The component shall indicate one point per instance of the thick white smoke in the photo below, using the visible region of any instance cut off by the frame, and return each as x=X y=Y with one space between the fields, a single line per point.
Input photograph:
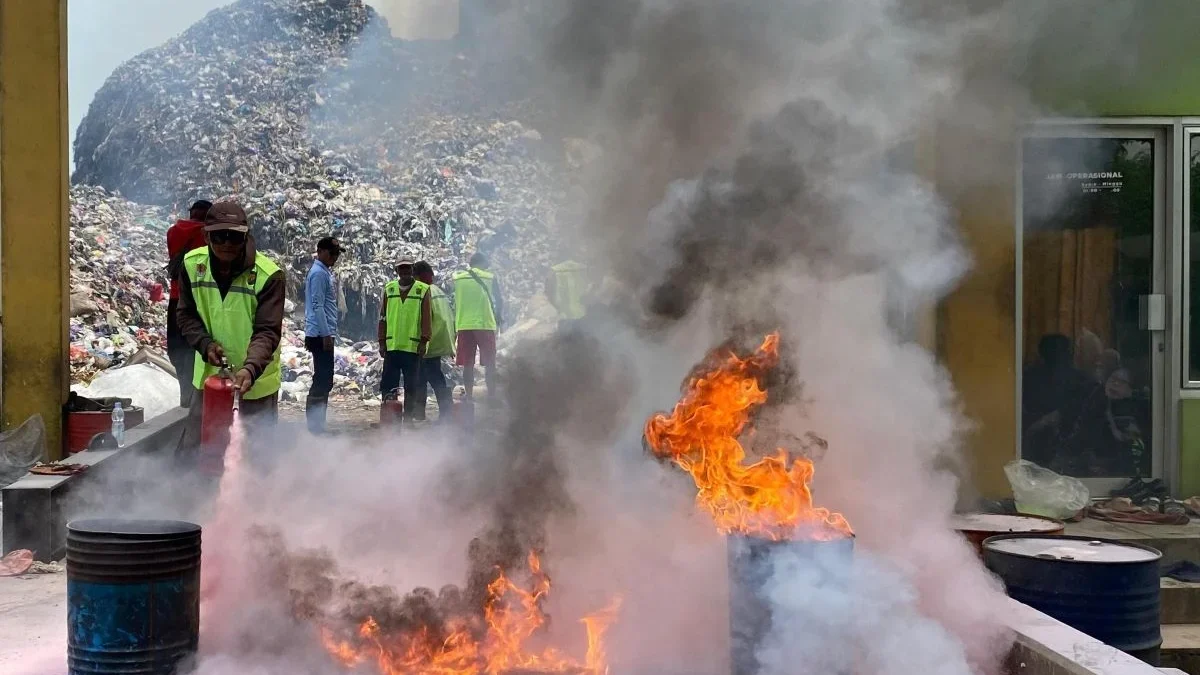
x=755 y=173
x=753 y=178
x=859 y=618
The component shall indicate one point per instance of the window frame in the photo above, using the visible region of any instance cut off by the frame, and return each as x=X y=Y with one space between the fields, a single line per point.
x=1167 y=281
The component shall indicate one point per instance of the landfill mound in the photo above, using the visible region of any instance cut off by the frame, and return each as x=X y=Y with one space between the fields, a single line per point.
x=319 y=122
x=221 y=107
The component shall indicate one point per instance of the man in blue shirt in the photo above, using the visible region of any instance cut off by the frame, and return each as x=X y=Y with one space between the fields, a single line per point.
x=320 y=327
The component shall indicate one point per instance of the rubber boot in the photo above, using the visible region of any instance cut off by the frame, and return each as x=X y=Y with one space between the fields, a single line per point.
x=314 y=413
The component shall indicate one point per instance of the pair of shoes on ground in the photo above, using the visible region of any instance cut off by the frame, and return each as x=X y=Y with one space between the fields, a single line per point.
x=1139 y=490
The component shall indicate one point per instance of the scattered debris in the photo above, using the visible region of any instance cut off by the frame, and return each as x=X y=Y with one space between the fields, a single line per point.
x=57 y=567
x=55 y=469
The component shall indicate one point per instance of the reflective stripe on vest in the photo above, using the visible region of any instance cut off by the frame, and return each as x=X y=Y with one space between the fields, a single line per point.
x=441 y=343
x=569 y=284
x=230 y=320
x=404 y=316
x=472 y=305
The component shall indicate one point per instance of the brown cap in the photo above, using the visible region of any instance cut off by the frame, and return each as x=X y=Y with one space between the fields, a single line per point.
x=226 y=216
x=405 y=260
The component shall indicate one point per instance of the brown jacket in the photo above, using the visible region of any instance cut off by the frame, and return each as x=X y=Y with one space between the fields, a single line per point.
x=268 y=318
x=426 y=318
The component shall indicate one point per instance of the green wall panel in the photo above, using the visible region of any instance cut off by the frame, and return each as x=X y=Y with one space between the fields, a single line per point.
x=1189 y=445
x=1117 y=58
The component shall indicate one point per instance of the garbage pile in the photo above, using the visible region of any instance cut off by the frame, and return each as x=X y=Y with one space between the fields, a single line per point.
x=319 y=122
x=443 y=204
x=115 y=273
x=357 y=368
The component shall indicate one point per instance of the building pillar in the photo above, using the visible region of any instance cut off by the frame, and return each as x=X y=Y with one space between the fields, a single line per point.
x=34 y=282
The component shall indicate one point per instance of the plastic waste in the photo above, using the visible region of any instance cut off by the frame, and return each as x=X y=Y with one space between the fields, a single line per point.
x=147 y=385
x=21 y=448
x=1039 y=491
x=118 y=424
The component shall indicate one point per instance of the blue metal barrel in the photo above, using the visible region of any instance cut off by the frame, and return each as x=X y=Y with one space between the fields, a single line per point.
x=133 y=596
x=751 y=565
x=1106 y=589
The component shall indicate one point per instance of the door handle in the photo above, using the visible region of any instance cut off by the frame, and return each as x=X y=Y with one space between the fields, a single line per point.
x=1152 y=312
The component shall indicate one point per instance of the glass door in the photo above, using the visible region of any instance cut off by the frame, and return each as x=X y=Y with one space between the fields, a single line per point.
x=1092 y=315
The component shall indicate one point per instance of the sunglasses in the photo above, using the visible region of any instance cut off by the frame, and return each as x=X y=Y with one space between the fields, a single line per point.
x=227 y=237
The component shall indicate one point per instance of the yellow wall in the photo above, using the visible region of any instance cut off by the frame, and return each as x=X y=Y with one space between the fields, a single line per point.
x=33 y=213
x=976 y=331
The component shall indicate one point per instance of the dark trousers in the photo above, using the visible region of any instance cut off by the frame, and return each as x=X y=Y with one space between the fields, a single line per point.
x=182 y=357
x=431 y=374
x=322 y=382
x=397 y=365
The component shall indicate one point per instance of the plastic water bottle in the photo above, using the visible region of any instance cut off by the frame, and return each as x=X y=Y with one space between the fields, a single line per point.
x=118 y=424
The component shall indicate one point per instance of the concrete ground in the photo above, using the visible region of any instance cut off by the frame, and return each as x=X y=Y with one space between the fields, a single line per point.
x=33 y=624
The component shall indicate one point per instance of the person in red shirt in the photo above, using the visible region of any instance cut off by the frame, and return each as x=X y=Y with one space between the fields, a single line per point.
x=183 y=236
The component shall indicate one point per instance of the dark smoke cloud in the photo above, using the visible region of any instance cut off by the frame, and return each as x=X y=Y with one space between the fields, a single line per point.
x=559 y=392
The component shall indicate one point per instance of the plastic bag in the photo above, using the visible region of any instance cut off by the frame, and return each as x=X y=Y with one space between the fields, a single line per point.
x=1038 y=491
x=21 y=448
x=146 y=385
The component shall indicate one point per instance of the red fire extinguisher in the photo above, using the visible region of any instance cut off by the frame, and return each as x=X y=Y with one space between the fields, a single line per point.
x=464 y=413
x=215 y=420
x=391 y=413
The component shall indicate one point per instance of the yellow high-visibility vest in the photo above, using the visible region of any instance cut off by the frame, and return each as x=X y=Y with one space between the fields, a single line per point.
x=403 y=318
x=569 y=284
x=472 y=304
x=441 y=343
x=230 y=320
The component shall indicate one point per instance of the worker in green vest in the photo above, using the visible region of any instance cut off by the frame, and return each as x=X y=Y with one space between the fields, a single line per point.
x=230 y=311
x=569 y=289
x=478 y=316
x=441 y=344
x=405 y=328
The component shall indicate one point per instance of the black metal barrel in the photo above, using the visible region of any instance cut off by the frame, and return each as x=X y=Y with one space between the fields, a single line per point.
x=133 y=596
x=1106 y=589
x=751 y=564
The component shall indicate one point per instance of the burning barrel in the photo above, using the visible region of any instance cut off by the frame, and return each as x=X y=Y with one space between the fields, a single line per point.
x=133 y=595
x=1106 y=589
x=751 y=565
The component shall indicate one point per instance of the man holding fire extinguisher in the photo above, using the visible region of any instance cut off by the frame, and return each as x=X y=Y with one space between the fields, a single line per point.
x=231 y=313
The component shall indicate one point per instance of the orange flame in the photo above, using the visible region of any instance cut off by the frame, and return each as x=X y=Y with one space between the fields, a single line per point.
x=512 y=616
x=769 y=498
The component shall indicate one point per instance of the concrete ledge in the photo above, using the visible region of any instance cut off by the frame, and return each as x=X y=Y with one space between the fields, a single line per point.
x=33 y=507
x=1177 y=542
x=1045 y=646
x=1180 y=601
x=1181 y=647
